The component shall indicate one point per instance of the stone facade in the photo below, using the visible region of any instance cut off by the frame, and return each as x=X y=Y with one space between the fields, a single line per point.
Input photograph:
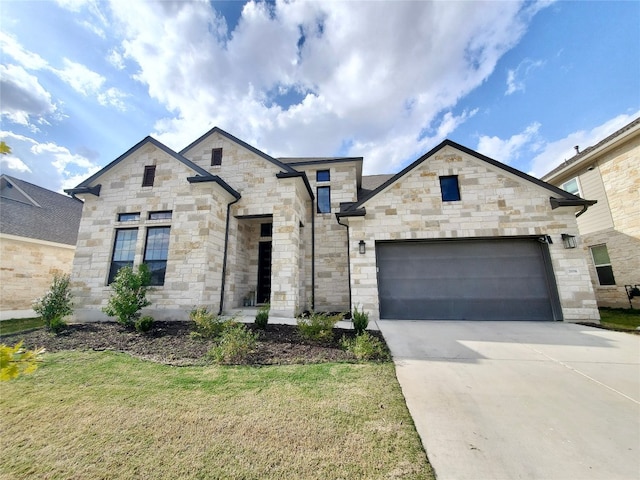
x=609 y=172
x=28 y=267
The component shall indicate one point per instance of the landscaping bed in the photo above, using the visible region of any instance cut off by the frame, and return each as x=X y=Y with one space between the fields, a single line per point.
x=171 y=343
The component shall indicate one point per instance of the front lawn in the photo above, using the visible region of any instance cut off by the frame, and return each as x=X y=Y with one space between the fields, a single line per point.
x=14 y=325
x=620 y=318
x=109 y=415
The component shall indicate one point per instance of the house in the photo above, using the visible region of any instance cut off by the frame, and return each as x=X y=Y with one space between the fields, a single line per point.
x=38 y=231
x=609 y=172
x=222 y=224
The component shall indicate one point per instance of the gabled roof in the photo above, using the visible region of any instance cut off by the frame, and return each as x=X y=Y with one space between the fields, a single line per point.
x=81 y=188
x=561 y=194
x=589 y=152
x=219 y=131
x=38 y=213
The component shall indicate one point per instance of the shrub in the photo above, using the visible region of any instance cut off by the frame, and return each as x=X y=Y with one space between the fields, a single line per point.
x=365 y=347
x=144 y=324
x=318 y=326
x=360 y=320
x=207 y=324
x=234 y=344
x=15 y=361
x=129 y=295
x=262 y=317
x=56 y=303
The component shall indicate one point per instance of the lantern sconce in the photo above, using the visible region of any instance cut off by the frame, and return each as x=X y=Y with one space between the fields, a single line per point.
x=362 y=247
x=569 y=241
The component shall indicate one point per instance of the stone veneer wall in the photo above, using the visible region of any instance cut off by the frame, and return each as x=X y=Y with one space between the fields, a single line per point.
x=28 y=267
x=494 y=203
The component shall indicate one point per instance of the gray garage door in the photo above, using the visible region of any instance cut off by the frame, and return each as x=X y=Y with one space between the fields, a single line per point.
x=465 y=280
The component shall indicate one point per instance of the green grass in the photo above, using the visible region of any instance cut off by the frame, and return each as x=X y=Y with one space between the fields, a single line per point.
x=108 y=415
x=19 y=324
x=622 y=318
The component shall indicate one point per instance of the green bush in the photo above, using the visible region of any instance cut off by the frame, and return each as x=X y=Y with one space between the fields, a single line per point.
x=360 y=320
x=56 y=303
x=207 y=324
x=262 y=317
x=234 y=344
x=129 y=295
x=318 y=326
x=365 y=347
x=144 y=324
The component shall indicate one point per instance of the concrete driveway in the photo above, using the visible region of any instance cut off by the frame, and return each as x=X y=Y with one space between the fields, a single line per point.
x=521 y=400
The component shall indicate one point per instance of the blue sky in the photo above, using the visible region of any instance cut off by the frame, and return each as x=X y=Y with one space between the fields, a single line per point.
x=522 y=82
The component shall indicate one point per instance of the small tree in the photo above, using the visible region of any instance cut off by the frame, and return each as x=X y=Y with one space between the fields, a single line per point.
x=129 y=295
x=56 y=303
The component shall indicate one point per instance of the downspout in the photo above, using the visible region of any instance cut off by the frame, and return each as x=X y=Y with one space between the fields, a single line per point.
x=348 y=264
x=313 y=255
x=224 y=255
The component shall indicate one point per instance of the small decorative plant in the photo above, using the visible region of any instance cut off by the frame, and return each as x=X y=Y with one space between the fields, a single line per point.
x=207 y=324
x=144 y=324
x=360 y=320
x=56 y=303
x=365 y=347
x=234 y=344
x=262 y=317
x=318 y=327
x=129 y=295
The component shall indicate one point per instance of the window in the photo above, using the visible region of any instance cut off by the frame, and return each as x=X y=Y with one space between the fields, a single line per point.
x=324 y=200
x=449 y=188
x=124 y=249
x=216 y=156
x=129 y=217
x=572 y=186
x=149 y=176
x=162 y=215
x=156 y=252
x=266 y=229
x=323 y=176
x=603 y=265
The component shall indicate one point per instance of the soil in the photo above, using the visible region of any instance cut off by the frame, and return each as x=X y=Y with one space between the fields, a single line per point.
x=171 y=343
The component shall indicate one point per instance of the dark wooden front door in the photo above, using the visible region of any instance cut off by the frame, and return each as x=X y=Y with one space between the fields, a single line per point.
x=264 y=272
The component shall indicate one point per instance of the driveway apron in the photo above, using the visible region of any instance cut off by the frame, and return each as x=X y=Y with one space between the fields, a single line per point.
x=512 y=400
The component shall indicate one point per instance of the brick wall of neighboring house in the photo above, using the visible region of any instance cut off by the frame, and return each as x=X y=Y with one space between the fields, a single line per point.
x=27 y=270
x=494 y=203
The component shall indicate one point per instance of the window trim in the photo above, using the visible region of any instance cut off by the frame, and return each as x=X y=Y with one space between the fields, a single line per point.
x=112 y=274
x=318 y=190
x=149 y=176
x=319 y=172
x=597 y=266
x=148 y=262
x=216 y=157
x=160 y=212
x=577 y=180
x=457 y=185
x=135 y=217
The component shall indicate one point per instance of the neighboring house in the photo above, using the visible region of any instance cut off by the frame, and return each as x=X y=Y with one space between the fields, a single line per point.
x=221 y=224
x=38 y=231
x=609 y=172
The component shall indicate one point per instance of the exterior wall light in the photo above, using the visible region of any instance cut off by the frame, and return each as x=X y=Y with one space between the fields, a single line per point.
x=362 y=247
x=569 y=241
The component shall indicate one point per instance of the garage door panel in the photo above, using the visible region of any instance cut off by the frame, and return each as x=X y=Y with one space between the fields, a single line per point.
x=481 y=279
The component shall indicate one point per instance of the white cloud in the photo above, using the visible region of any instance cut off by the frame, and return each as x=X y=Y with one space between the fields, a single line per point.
x=23 y=100
x=506 y=151
x=11 y=162
x=115 y=59
x=375 y=84
x=515 y=77
x=29 y=60
x=80 y=78
x=560 y=150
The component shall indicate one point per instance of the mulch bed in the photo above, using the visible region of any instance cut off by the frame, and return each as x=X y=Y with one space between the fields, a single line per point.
x=170 y=343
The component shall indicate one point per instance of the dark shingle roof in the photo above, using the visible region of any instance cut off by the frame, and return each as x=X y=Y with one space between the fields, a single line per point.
x=39 y=213
x=370 y=183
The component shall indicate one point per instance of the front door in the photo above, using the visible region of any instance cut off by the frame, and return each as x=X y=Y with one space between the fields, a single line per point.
x=264 y=272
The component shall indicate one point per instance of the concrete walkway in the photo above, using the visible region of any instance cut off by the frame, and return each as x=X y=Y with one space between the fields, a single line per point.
x=521 y=400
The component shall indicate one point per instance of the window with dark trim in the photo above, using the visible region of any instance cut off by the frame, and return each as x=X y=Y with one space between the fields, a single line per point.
x=324 y=199
x=602 y=262
x=323 y=176
x=266 y=229
x=129 y=217
x=149 y=176
x=216 y=156
x=449 y=188
x=161 y=215
x=124 y=250
x=156 y=252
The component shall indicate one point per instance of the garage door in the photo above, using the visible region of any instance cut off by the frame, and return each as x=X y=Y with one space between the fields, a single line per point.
x=465 y=280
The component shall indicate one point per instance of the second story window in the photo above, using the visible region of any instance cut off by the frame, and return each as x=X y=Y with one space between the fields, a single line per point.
x=324 y=199
x=216 y=156
x=323 y=176
x=129 y=217
x=149 y=176
x=572 y=186
x=161 y=215
x=449 y=188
